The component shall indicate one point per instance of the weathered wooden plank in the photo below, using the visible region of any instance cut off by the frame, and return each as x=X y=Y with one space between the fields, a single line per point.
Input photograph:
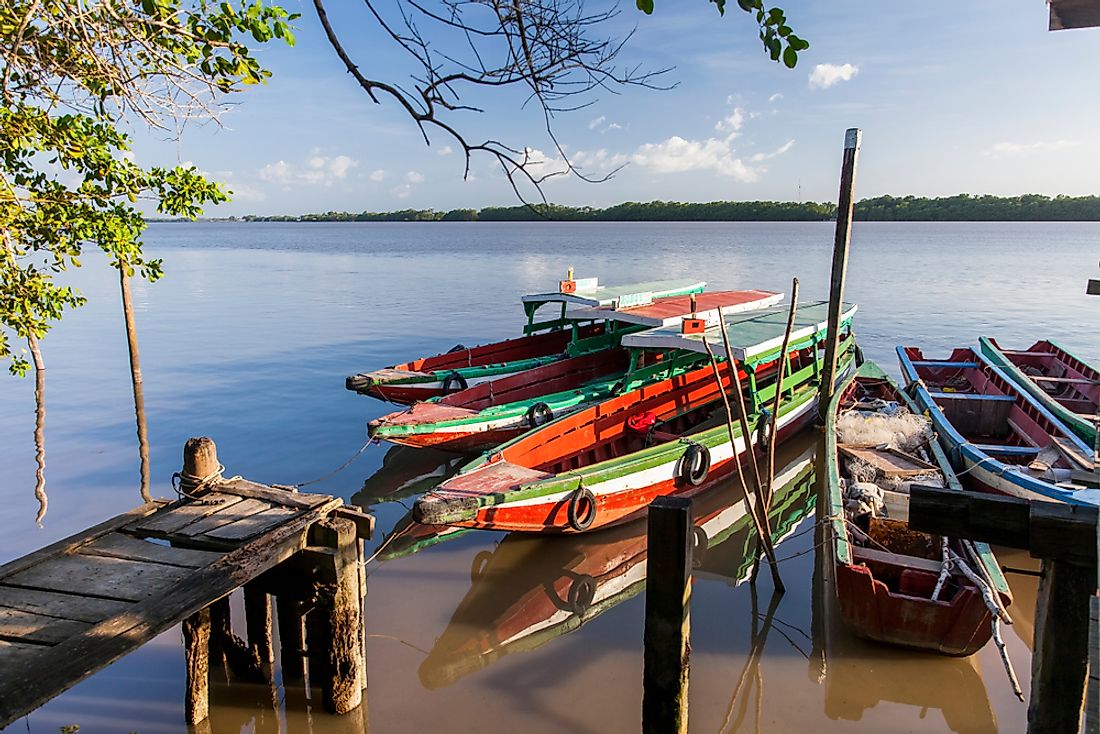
x=285 y=497
x=61 y=606
x=112 y=578
x=69 y=662
x=76 y=540
x=253 y=524
x=230 y=514
x=117 y=545
x=181 y=514
x=17 y=625
x=17 y=654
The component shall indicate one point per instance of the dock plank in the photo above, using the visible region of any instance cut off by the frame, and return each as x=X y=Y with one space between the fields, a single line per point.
x=17 y=653
x=117 y=545
x=226 y=516
x=60 y=667
x=61 y=606
x=245 y=488
x=249 y=526
x=100 y=576
x=176 y=516
x=17 y=625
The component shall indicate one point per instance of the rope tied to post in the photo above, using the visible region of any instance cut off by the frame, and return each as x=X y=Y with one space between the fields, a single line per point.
x=186 y=484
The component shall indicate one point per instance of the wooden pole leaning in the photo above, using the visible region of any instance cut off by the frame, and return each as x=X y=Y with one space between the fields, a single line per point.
x=774 y=420
x=852 y=139
x=755 y=503
x=667 y=617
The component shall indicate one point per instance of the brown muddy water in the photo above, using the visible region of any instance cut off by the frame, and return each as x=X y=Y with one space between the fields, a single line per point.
x=248 y=340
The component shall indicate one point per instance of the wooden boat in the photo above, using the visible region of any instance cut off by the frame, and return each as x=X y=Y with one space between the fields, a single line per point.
x=529 y=591
x=543 y=342
x=485 y=415
x=599 y=465
x=887 y=575
x=996 y=435
x=1064 y=384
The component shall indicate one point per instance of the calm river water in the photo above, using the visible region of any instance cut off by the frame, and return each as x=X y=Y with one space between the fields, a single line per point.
x=248 y=339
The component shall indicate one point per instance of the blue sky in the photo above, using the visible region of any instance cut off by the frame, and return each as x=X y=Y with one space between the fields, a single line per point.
x=952 y=97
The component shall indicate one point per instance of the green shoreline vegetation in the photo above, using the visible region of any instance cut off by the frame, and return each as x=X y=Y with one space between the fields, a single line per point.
x=960 y=208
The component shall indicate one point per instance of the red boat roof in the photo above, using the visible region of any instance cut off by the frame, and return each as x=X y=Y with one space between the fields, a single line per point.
x=669 y=311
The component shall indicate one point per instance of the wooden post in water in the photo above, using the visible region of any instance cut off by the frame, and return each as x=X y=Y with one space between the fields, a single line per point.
x=196 y=652
x=200 y=462
x=1060 y=659
x=257 y=615
x=845 y=205
x=292 y=639
x=667 y=617
x=341 y=606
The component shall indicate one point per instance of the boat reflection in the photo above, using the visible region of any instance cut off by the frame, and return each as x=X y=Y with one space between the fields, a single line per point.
x=407 y=472
x=530 y=590
x=860 y=674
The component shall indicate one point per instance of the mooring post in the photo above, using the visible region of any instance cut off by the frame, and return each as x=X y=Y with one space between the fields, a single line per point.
x=200 y=463
x=341 y=607
x=845 y=205
x=667 y=617
x=1059 y=662
x=196 y=652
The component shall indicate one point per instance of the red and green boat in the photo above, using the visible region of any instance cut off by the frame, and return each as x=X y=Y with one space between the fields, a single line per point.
x=490 y=413
x=543 y=342
x=1064 y=384
x=599 y=465
x=891 y=582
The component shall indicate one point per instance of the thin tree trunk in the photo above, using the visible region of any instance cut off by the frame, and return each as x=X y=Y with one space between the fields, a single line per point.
x=135 y=378
x=39 y=427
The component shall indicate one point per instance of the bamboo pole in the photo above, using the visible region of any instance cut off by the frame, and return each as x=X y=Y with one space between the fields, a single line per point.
x=843 y=239
x=135 y=378
x=742 y=414
x=773 y=427
x=763 y=531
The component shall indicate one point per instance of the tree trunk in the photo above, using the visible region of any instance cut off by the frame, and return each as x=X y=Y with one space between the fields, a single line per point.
x=39 y=427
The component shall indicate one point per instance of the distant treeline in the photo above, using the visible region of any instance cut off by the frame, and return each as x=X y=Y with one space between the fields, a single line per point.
x=960 y=208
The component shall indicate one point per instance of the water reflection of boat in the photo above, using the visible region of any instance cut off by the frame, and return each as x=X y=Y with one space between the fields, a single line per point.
x=407 y=472
x=530 y=590
x=409 y=536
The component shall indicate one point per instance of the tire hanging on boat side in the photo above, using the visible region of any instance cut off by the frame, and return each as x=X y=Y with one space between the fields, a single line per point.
x=454 y=382
x=580 y=520
x=538 y=414
x=694 y=464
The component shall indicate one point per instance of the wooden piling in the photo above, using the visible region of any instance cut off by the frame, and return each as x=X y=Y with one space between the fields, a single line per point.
x=292 y=640
x=845 y=205
x=667 y=617
x=257 y=615
x=200 y=462
x=342 y=615
x=196 y=651
x=1059 y=662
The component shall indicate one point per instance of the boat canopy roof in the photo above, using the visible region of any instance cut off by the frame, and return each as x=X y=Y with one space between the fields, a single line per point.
x=670 y=310
x=589 y=292
x=752 y=334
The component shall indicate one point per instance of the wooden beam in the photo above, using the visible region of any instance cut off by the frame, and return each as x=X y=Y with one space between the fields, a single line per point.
x=1051 y=530
x=1059 y=663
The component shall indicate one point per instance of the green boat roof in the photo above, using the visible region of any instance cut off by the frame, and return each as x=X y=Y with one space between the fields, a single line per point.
x=751 y=333
x=590 y=293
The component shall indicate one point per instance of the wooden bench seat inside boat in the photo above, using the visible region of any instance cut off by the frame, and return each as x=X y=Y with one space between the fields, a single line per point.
x=976 y=415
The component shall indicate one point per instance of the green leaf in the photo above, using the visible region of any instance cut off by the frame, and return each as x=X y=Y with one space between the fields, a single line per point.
x=790 y=57
x=646 y=6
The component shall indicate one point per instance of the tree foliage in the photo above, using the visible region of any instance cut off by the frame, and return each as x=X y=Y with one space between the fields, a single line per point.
x=72 y=75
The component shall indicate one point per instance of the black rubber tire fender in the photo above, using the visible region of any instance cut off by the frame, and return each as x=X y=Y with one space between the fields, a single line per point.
x=539 y=414
x=581 y=593
x=454 y=382
x=580 y=520
x=457 y=348
x=694 y=464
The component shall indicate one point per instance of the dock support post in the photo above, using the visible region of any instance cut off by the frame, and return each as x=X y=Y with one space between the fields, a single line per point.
x=342 y=673
x=1059 y=664
x=196 y=651
x=291 y=637
x=257 y=614
x=845 y=207
x=667 y=617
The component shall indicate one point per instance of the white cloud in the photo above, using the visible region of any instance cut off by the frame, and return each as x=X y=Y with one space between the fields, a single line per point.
x=597 y=122
x=732 y=122
x=244 y=192
x=377 y=175
x=778 y=151
x=317 y=170
x=677 y=155
x=775 y=98
x=414 y=177
x=826 y=75
x=614 y=126
x=541 y=165
x=402 y=191
x=446 y=150
x=599 y=161
x=1040 y=146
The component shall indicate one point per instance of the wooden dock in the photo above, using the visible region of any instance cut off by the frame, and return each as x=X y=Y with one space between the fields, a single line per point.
x=72 y=608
